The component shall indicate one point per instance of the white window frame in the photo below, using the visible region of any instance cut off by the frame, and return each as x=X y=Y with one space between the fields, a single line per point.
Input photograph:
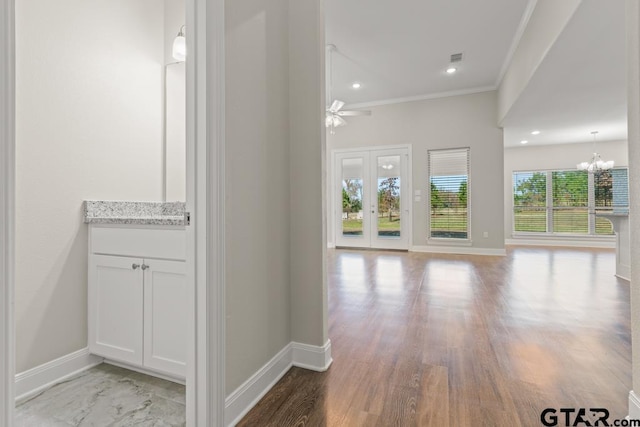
x=549 y=208
x=449 y=240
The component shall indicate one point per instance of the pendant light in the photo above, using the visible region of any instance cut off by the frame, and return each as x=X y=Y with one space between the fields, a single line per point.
x=179 y=50
x=596 y=164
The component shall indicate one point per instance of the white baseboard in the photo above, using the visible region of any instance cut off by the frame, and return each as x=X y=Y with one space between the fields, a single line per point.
x=634 y=406
x=245 y=397
x=33 y=381
x=458 y=250
x=624 y=272
x=312 y=357
x=573 y=243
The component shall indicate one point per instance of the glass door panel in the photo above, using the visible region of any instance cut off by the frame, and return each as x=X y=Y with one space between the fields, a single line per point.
x=352 y=188
x=352 y=183
x=389 y=204
x=389 y=181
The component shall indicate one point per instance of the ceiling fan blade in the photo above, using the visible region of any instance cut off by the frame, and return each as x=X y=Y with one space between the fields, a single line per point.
x=336 y=106
x=354 y=113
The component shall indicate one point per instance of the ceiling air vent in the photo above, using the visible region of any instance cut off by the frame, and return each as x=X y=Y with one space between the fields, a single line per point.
x=456 y=57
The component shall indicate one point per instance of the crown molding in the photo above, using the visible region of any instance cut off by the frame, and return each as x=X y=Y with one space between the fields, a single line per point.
x=424 y=97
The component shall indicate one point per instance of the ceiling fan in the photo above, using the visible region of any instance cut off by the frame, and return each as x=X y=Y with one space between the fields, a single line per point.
x=335 y=113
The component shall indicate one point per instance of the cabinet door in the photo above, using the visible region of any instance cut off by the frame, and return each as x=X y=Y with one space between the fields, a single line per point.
x=165 y=317
x=115 y=308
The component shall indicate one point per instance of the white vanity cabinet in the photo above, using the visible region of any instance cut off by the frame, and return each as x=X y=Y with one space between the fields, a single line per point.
x=138 y=297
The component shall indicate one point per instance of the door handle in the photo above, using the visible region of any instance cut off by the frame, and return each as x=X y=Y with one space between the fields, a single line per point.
x=145 y=266
x=135 y=266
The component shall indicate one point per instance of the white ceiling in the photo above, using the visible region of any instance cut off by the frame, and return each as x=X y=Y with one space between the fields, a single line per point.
x=400 y=49
x=581 y=84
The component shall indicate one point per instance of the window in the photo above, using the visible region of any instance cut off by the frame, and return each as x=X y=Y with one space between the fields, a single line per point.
x=566 y=202
x=449 y=187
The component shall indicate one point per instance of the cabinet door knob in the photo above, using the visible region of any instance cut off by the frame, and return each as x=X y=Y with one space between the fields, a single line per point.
x=135 y=266
x=145 y=266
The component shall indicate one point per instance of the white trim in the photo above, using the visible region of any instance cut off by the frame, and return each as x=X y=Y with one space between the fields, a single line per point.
x=566 y=242
x=515 y=42
x=205 y=200
x=447 y=241
x=331 y=245
x=371 y=148
x=624 y=276
x=634 y=406
x=423 y=97
x=7 y=207
x=245 y=397
x=40 y=378
x=312 y=357
x=458 y=250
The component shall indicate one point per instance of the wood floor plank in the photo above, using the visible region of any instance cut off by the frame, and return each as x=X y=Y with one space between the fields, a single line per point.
x=452 y=340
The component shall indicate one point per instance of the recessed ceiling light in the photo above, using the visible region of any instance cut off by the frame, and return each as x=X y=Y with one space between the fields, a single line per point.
x=451 y=70
x=535 y=132
x=356 y=85
x=524 y=142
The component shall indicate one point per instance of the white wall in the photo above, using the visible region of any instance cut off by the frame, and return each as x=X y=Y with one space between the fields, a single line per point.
x=88 y=126
x=552 y=157
x=460 y=121
x=257 y=203
x=176 y=132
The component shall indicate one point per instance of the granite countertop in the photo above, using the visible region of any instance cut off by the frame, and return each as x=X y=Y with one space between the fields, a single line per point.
x=140 y=213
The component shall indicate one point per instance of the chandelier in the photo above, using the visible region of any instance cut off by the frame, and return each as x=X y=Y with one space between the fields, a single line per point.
x=596 y=164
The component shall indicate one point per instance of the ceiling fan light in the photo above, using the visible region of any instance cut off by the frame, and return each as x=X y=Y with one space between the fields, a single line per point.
x=338 y=121
x=328 y=121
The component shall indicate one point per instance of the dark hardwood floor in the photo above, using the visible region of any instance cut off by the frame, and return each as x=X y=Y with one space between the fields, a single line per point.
x=449 y=340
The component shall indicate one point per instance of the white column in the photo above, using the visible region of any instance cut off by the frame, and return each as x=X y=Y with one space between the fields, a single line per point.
x=633 y=91
x=7 y=187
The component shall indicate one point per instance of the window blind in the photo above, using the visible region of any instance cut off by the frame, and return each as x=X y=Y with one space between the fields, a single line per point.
x=567 y=202
x=570 y=201
x=449 y=189
x=530 y=201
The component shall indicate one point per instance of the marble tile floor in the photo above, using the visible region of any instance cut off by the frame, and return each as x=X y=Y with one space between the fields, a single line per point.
x=106 y=396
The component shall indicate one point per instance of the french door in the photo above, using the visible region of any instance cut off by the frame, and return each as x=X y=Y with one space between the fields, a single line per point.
x=372 y=198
